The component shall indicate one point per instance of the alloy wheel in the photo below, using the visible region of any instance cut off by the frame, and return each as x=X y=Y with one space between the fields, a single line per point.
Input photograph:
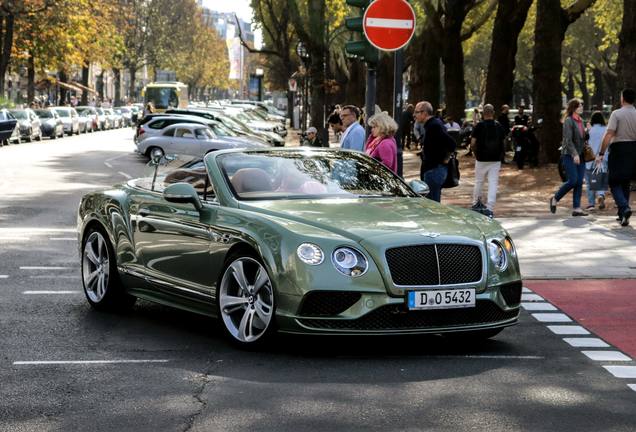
x=246 y=300
x=95 y=267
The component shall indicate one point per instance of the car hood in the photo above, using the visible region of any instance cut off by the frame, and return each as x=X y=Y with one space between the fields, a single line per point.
x=367 y=218
x=244 y=142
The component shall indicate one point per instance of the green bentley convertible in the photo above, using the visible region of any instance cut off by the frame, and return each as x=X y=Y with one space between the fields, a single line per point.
x=311 y=241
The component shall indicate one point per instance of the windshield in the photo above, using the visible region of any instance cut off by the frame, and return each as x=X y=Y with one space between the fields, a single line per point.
x=20 y=115
x=44 y=114
x=63 y=113
x=162 y=97
x=222 y=130
x=176 y=169
x=309 y=174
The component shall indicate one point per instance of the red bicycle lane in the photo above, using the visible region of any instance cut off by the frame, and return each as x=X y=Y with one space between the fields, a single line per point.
x=604 y=307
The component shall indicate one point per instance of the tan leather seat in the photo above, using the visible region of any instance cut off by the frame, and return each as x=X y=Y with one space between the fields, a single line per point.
x=251 y=180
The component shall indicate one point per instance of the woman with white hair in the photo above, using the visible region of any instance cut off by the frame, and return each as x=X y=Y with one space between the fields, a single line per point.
x=381 y=144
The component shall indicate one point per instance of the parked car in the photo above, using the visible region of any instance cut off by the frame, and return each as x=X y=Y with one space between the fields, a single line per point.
x=189 y=139
x=113 y=117
x=9 y=129
x=86 y=121
x=52 y=125
x=28 y=123
x=154 y=124
x=70 y=119
x=307 y=241
x=91 y=113
x=103 y=119
x=241 y=128
x=126 y=115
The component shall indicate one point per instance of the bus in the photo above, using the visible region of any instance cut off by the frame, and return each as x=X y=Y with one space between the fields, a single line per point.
x=164 y=95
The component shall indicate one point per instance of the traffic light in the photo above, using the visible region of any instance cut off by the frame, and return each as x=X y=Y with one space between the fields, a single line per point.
x=360 y=48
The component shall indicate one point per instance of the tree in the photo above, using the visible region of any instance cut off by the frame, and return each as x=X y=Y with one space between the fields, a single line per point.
x=509 y=21
x=627 y=46
x=551 y=24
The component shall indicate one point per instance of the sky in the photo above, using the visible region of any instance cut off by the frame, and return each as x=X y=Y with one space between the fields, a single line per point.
x=241 y=7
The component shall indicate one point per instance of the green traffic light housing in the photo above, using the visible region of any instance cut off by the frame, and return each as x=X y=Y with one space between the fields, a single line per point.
x=360 y=48
x=359 y=3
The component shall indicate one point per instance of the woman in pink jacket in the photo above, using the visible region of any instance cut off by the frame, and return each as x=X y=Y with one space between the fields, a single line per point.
x=381 y=144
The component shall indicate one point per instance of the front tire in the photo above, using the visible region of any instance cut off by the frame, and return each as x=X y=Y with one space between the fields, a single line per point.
x=100 y=279
x=245 y=301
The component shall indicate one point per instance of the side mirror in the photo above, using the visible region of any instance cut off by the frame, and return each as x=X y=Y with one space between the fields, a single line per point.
x=419 y=187
x=182 y=193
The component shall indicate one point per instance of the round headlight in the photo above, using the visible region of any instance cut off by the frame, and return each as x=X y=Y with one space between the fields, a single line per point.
x=309 y=253
x=497 y=255
x=349 y=262
x=509 y=246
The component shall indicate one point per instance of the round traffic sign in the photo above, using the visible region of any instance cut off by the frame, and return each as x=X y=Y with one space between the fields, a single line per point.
x=389 y=24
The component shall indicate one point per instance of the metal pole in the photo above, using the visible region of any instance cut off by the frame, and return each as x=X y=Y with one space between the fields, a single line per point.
x=398 y=67
x=369 y=99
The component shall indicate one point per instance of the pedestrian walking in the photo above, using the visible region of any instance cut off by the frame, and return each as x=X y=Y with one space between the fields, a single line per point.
x=488 y=146
x=503 y=118
x=521 y=118
x=354 y=135
x=437 y=146
x=149 y=109
x=381 y=144
x=336 y=125
x=596 y=132
x=620 y=137
x=572 y=158
x=311 y=138
x=476 y=117
x=405 y=131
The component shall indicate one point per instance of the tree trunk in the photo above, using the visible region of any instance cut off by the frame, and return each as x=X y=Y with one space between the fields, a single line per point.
x=424 y=57
x=569 y=87
x=598 y=99
x=354 y=86
x=117 y=84
x=317 y=50
x=63 y=90
x=85 y=74
x=133 y=91
x=453 y=58
x=626 y=63
x=613 y=90
x=30 y=77
x=583 y=86
x=100 y=86
x=546 y=70
x=509 y=21
x=6 y=42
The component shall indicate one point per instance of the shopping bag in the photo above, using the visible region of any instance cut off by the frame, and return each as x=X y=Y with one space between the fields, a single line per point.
x=452 y=178
x=599 y=179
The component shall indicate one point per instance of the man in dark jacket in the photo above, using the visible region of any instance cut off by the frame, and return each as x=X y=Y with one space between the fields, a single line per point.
x=488 y=145
x=405 y=131
x=437 y=146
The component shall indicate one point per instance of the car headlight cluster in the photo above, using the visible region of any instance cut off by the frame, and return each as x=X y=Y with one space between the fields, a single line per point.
x=348 y=261
x=498 y=255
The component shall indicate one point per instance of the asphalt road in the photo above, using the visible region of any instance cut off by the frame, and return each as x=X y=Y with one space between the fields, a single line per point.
x=156 y=369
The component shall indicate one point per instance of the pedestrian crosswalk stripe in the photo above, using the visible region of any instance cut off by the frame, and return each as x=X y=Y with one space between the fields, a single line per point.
x=73 y=362
x=568 y=330
x=50 y=292
x=525 y=290
x=551 y=317
x=632 y=386
x=532 y=298
x=586 y=342
x=606 y=355
x=538 y=306
x=45 y=268
x=622 y=371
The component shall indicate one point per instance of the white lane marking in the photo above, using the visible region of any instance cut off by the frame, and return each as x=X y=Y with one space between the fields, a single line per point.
x=45 y=268
x=63 y=362
x=525 y=290
x=50 y=292
x=54 y=277
x=622 y=371
x=551 y=317
x=532 y=298
x=108 y=165
x=499 y=357
x=116 y=157
x=606 y=355
x=568 y=330
x=15 y=238
x=586 y=342
x=632 y=386
x=389 y=23
x=4 y=276
x=124 y=174
x=62 y=238
x=538 y=307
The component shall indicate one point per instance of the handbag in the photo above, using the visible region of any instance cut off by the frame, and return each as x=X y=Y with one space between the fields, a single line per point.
x=599 y=179
x=452 y=176
x=588 y=153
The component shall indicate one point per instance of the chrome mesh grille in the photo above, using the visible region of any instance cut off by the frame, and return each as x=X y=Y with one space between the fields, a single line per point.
x=436 y=264
x=328 y=303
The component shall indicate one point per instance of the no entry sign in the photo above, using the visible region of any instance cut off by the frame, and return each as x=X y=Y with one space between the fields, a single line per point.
x=389 y=24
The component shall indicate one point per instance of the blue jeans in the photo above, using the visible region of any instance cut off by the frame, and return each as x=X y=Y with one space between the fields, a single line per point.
x=435 y=178
x=575 y=174
x=591 y=195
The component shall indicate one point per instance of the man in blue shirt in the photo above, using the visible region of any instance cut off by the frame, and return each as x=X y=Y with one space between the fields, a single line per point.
x=354 y=136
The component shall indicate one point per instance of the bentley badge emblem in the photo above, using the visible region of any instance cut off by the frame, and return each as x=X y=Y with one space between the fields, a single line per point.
x=430 y=234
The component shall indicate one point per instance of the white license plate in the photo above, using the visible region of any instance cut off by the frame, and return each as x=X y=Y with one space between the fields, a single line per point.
x=444 y=299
